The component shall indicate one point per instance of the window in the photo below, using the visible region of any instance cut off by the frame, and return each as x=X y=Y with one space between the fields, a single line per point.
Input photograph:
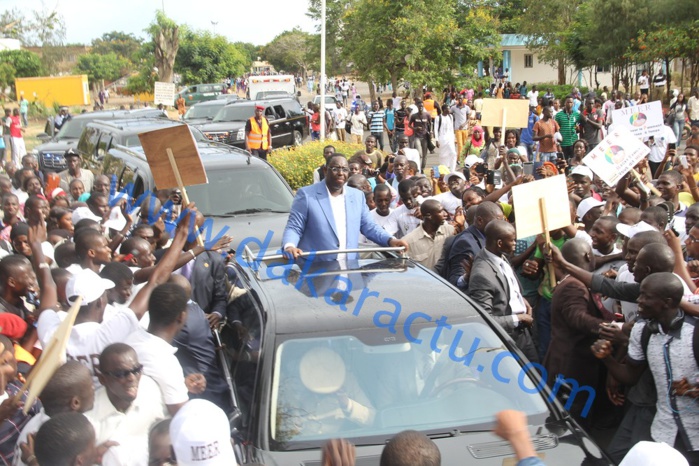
x=293 y=109
x=528 y=60
x=280 y=111
x=604 y=68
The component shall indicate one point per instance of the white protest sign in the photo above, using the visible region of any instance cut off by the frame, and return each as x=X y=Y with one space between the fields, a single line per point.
x=164 y=93
x=526 y=196
x=643 y=120
x=616 y=155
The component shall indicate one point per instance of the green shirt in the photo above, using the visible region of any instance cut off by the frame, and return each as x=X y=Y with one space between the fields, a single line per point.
x=567 y=122
x=545 y=289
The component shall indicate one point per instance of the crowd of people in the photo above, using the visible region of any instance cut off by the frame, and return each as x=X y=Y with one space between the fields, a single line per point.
x=610 y=302
x=620 y=310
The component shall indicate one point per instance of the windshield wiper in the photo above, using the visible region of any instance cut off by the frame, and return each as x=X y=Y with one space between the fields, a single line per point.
x=251 y=211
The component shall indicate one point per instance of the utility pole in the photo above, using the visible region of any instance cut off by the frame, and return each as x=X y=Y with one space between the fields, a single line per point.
x=322 y=71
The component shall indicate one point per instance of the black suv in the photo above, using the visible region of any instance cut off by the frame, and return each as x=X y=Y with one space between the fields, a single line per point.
x=99 y=136
x=286 y=120
x=244 y=193
x=50 y=153
x=310 y=337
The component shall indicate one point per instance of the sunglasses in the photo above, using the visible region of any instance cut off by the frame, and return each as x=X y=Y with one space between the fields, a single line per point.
x=125 y=373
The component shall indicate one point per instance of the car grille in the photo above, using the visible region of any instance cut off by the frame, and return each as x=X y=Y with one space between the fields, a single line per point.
x=218 y=137
x=52 y=161
x=503 y=448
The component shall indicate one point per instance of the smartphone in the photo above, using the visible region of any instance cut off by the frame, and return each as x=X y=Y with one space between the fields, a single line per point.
x=683 y=161
x=435 y=170
x=672 y=145
x=528 y=168
x=537 y=165
x=559 y=155
x=490 y=177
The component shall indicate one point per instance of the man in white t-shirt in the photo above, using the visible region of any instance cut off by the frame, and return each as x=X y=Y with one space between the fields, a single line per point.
x=340 y=117
x=658 y=146
x=167 y=309
x=644 y=82
x=382 y=212
x=451 y=199
x=533 y=97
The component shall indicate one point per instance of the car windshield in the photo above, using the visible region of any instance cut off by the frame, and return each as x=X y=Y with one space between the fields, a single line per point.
x=241 y=190
x=450 y=378
x=203 y=111
x=235 y=113
x=72 y=129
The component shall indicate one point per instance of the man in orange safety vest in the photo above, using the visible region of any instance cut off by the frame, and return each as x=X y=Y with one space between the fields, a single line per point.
x=258 y=138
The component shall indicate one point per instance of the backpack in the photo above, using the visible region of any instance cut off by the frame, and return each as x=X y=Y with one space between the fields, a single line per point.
x=646 y=334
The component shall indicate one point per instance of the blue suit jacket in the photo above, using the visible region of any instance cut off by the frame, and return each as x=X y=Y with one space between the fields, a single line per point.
x=311 y=225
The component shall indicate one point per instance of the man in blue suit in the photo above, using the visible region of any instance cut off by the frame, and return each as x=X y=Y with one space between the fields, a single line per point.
x=329 y=215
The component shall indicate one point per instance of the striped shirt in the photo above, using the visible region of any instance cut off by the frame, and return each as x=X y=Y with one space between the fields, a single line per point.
x=376 y=118
x=567 y=122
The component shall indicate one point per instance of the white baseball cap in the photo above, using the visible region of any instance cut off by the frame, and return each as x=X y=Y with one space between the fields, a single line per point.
x=582 y=170
x=632 y=230
x=471 y=160
x=200 y=435
x=457 y=174
x=87 y=284
x=82 y=213
x=587 y=204
x=653 y=454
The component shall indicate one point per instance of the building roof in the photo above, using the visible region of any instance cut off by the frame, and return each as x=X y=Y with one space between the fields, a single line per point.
x=513 y=40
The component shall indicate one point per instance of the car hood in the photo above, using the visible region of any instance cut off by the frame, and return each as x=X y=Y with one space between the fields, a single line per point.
x=222 y=126
x=57 y=146
x=197 y=121
x=557 y=444
x=252 y=230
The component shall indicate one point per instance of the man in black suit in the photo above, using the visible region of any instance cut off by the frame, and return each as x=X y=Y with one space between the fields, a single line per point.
x=468 y=243
x=494 y=285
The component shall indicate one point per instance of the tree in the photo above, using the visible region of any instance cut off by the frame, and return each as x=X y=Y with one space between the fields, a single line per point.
x=290 y=51
x=25 y=63
x=250 y=50
x=203 y=57
x=548 y=23
x=120 y=43
x=12 y=24
x=47 y=29
x=97 y=67
x=335 y=12
x=165 y=35
x=7 y=76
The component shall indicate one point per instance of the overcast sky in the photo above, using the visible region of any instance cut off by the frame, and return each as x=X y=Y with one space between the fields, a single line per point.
x=256 y=21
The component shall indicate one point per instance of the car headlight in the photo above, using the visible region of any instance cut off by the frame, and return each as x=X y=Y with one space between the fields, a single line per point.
x=241 y=134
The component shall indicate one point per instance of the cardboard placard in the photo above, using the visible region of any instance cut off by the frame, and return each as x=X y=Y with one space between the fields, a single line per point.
x=53 y=357
x=164 y=93
x=517 y=112
x=527 y=206
x=616 y=155
x=643 y=121
x=181 y=143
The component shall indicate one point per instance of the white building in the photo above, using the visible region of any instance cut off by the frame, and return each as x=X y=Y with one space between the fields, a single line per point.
x=524 y=65
x=9 y=44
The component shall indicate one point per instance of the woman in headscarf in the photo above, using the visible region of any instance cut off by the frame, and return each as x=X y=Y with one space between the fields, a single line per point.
x=476 y=144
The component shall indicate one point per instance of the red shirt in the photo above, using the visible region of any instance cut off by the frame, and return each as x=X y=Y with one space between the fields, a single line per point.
x=15 y=127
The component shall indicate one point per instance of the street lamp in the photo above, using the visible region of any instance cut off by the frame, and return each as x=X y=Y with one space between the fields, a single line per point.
x=322 y=70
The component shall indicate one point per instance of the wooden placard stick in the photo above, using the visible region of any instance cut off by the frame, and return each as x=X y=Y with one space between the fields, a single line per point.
x=547 y=236
x=652 y=188
x=185 y=198
x=502 y=130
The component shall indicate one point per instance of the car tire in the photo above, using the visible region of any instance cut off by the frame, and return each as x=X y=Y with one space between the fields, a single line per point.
x=298 y=138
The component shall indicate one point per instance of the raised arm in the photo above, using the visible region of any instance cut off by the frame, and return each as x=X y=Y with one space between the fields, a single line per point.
x=162 y=271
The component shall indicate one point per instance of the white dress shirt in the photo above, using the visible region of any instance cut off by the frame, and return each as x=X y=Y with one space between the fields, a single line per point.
x=516 y=299
x=337 y=204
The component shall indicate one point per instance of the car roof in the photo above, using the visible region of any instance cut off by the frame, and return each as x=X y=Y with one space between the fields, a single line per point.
x=118 y=114
x=206 y=103
x=214 y=155
x=376 y=284
x=141 y=124
x=265 y=102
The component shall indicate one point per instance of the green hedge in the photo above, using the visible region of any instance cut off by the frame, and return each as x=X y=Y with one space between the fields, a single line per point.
x=296 y=164
x=559 y=91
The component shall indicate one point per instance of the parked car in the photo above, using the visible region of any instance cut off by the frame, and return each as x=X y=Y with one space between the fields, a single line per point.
x=99 y=136
x=330 y=101
x=309 y=335
x=50 y=153
x=286 y=120
x=200 y=92
x=244 y=193
x=203 y=112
